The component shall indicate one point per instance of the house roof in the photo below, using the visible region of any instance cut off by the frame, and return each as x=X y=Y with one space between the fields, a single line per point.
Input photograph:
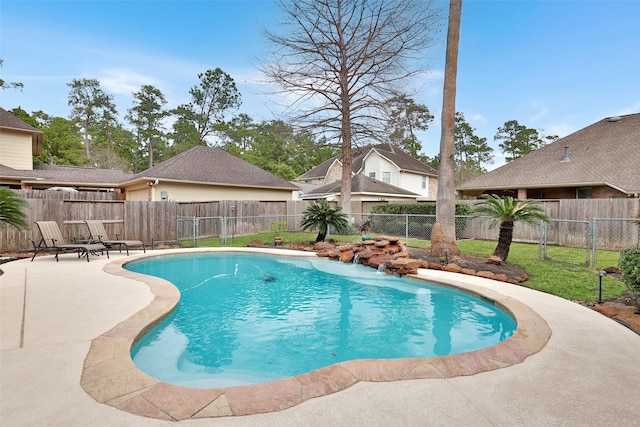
x=7 y=172
x=9 y=121
x=319 y=171
x=77 y=176
x=212 y=165
x=361 y=184
x=402 y=160
x=604 y=153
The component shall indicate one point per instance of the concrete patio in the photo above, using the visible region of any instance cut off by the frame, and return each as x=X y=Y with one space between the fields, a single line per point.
x=588 y=373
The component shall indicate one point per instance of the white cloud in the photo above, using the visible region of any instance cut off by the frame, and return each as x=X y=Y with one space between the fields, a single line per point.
x=476 y=118
x=542 y=112
x=123 y=80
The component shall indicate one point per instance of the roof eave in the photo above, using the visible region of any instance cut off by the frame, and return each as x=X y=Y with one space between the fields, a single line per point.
x=559 y=185
x=219 y=184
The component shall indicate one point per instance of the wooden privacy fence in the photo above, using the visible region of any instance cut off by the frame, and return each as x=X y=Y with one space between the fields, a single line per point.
x=156 y=222
x=150 y=222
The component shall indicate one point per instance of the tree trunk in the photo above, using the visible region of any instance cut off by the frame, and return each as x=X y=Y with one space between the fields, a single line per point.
x=445 y=199
x=322 y=233
x=504 y=240
x=347 y=153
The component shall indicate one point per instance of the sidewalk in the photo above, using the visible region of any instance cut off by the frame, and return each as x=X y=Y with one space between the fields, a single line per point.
x=588 y=374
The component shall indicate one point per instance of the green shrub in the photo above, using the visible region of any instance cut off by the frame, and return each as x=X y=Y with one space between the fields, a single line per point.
x=630 y=267
x=387 y=225
x=462 y=209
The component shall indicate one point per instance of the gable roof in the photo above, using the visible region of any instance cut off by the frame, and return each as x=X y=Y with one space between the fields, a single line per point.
x=9 y=121
x=395 y=155
x=604 y=153
x=212 y=165
x=361 y=184
x=319 y=171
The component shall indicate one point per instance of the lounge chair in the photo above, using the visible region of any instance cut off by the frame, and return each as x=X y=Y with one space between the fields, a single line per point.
x=52 y=240
x=98 y=233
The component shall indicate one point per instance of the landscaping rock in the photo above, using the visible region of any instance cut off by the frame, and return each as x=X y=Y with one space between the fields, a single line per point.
x=495 y=260
x=453 y=268
x=346 y=256
x=486 y=274
x=323 y=246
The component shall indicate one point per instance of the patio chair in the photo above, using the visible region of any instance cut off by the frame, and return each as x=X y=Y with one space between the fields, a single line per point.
x=98 y=233
x=52 y=240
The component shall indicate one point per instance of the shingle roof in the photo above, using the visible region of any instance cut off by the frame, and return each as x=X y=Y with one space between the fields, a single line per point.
x=9 y=121
x=606 y=152
x=7 y=172
x=214 y=166
x=394 y=154
x=401 y=159
x=319 y=171
x=361 y=184
x=79 y=176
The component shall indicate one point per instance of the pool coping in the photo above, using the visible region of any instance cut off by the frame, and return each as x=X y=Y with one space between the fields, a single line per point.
x=110 y=376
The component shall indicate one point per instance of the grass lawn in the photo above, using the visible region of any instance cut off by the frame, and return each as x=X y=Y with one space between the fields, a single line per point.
x=569 y=281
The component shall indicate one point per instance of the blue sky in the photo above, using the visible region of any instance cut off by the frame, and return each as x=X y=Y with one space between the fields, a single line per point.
x=557 y=66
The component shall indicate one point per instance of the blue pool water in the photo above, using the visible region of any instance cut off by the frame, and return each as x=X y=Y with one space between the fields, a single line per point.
x=251 y=318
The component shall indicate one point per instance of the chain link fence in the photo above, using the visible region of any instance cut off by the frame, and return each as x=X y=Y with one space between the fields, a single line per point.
x=558 y=234
x=553 y=238
x=614 y=234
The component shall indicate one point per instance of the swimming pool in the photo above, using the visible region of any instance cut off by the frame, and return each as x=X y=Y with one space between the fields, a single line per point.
x=248 y=318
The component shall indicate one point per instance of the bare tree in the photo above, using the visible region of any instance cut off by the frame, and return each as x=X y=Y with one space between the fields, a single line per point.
x=444 y=231
x=341 y=59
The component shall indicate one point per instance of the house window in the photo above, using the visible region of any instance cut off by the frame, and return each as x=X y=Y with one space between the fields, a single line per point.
x=585 y=193
x=386 y=177
x=424 y=182
x=372 y=175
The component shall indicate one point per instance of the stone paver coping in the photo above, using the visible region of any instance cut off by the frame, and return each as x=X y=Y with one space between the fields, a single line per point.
x=110 y=376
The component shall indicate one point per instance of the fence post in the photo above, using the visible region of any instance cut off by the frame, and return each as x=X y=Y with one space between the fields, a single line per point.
x=594 y=241
x=223 y=231
x=540 y=238
x=406 y=227
x=589 y=236
x=194 y=227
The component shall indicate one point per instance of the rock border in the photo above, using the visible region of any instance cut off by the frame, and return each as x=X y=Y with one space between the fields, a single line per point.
x=390 y=254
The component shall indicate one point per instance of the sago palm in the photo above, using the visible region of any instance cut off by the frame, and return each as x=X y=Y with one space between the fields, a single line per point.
x=506 y=211
x=321 y=215
x=11 y=205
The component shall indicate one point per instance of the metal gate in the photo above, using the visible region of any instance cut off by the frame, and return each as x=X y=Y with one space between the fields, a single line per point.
x=559 y=234
x=192 y=228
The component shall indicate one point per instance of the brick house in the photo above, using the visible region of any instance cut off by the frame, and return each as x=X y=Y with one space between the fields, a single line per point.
x=601 y=161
